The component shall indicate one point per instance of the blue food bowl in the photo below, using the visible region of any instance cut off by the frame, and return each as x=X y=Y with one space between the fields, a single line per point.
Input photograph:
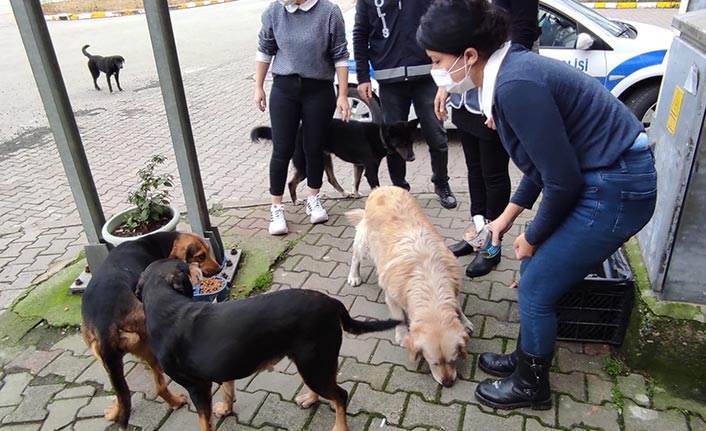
x=220 y=295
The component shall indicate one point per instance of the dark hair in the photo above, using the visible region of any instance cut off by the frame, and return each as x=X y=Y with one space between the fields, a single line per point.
x=452 y=26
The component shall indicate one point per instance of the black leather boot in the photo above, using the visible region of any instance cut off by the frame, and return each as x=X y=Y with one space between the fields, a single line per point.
x=528 y=386
x=498 y=365
x=481 y=266
x=461 y=248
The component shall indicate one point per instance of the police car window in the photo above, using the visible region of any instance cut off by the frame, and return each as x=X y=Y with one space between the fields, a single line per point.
x=557 y=30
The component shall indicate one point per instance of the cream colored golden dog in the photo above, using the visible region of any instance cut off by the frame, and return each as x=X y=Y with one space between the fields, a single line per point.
x=419 y=275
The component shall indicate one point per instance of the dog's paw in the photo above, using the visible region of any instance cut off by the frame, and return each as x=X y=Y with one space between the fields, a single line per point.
x=307 y=400
x=178 y=401
x=469 y=328
x=400 y=333
x=299 y=202
x=111 y=413
x=221 y=409
x=354 y=280
x=356 y=195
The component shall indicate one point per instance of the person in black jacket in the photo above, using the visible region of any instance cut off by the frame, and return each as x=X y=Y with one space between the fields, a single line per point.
x=384 y=36
x=524 y=28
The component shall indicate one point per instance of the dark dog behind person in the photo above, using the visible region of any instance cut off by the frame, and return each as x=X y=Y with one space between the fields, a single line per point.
x=577 y=145
x=305 y=41
x=383 y=35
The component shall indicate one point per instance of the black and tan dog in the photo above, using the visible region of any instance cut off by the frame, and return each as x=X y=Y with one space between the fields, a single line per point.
x=363 y=144
x=114 y=319
x=198 y=343
x=110 y=65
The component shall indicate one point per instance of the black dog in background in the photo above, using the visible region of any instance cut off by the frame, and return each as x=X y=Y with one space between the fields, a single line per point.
x=363 y=144
x=198 y=343
x=109 y=65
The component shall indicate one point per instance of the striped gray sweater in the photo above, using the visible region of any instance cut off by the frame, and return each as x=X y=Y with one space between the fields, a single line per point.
x=310 y=43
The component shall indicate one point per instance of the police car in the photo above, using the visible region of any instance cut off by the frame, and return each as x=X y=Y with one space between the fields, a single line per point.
x=629 y=58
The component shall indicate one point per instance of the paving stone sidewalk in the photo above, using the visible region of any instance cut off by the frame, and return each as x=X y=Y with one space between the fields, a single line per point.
x=50 y=382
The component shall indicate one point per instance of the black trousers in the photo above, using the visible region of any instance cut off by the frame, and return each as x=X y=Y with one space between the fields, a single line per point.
x=487 y=164
x=396 y=99
x=293 y=100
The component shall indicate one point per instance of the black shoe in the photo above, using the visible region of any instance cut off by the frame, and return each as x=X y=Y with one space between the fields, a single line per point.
x=446 y=197
x=528 y=386
x=404 y=185
x=461 y=248
x=481 y=266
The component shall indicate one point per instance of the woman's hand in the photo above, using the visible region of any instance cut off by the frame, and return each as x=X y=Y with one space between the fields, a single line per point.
x=499 y=227
x=440 y=104
x=260 y=99
x=490 y=123
x=343 y=108
x=523 y=249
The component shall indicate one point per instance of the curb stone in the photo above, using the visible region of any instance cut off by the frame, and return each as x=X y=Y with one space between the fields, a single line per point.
x=127 y=12
x=193 y=4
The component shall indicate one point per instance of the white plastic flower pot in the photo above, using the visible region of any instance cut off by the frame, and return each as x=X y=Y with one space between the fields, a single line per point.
x=117 y=219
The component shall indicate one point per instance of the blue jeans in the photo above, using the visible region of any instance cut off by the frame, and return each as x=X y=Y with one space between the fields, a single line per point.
x=615 y=204
x=396 y=99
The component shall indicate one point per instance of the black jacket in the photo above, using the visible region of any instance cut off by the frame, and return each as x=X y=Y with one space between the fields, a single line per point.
x=385 y=35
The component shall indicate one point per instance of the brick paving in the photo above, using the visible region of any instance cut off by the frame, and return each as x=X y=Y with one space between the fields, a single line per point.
x=62 y=387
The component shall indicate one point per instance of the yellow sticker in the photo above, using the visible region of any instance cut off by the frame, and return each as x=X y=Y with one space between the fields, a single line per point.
x=675 y=109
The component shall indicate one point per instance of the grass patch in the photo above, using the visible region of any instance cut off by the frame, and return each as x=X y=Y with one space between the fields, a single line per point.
x=615 y=367
x=52 y=301
x=79 y=6
x=254 y=274
x=13 y=327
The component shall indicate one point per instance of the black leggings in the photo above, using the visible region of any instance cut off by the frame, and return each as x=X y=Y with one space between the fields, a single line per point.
x=294 y=99
x=487 y=164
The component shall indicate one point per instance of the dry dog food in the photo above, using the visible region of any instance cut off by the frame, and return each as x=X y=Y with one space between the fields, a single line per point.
x=211 y=284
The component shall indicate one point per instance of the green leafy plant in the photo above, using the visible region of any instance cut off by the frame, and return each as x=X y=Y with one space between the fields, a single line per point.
x=151 y=199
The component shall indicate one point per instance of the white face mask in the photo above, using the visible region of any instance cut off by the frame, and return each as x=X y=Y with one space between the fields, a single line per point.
x=443 y=79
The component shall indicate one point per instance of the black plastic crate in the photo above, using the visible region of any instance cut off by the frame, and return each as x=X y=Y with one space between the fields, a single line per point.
x=598 y=308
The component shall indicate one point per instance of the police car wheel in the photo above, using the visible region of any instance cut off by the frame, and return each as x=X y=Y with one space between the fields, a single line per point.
x=643 y=103
x=361 y=111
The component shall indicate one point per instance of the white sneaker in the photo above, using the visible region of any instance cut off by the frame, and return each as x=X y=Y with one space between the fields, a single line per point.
x=315 y=210
x=278 y=224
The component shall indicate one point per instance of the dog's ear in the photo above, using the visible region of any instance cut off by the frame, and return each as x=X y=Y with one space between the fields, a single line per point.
x=181 y=283
x=408 y=343
x=140 y=286
x=413 y=124
x=462 y=345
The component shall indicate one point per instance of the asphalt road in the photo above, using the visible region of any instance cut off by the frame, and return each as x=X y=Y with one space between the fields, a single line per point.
x=206 y=37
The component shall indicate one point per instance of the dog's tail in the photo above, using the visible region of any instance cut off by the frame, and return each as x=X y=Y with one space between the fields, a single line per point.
x=357 y=327
x=355 y=216
x=83 y=50
x=259 y=133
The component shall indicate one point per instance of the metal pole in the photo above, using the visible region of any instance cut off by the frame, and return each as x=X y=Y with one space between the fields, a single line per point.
x=45 y=67
x=169 y=72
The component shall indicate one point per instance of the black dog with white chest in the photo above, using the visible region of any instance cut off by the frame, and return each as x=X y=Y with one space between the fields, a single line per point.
x=364 y=144
x=109 y=65
x=198 y=343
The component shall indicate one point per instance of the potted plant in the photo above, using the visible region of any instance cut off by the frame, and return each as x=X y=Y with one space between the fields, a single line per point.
x=152 y=212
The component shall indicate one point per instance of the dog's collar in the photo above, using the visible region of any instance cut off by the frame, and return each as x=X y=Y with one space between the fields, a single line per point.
x=384 y=142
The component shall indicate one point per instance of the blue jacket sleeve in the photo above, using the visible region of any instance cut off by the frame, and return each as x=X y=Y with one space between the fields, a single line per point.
x=526 y=194
x=530 y=111
x=338 y=45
